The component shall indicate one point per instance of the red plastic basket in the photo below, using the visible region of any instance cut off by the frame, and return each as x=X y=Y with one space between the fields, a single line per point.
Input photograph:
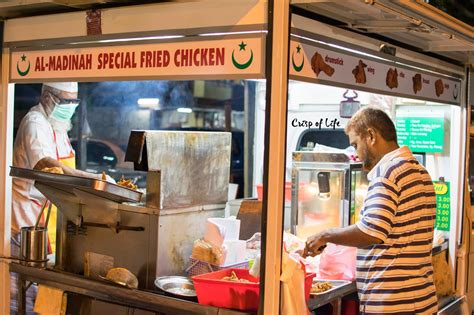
x=211 y=290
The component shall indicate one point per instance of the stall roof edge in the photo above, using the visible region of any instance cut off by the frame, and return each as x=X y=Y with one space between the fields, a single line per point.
x=413 y=25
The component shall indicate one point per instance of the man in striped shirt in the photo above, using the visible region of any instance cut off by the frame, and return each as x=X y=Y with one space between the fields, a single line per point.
x=395 y=231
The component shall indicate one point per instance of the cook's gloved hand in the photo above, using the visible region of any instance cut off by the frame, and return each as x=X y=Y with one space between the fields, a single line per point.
x=108 y=178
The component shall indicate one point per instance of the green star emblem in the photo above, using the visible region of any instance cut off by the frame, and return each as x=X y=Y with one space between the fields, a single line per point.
x=298 y=49
x=23 y=58
x=242 y=46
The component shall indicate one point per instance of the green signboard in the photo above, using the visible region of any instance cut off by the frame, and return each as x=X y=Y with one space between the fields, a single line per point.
x=443 y=205
x=421 y=134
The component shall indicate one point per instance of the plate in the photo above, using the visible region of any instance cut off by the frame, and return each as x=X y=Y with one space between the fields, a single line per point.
x=335 y=284
x=120 y=283
x=176 y=285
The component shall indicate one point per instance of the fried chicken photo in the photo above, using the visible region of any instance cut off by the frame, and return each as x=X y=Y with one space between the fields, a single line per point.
x=417 y=83
x=392 y=78
x=318 y=64
x=359 y=73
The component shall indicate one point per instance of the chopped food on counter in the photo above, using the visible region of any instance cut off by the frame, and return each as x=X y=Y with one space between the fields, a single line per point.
x=54 y=170
x=233 y=278
x=319 y=287
x=127 y=183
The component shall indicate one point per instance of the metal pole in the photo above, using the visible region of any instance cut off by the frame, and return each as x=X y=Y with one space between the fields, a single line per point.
x=277 y=50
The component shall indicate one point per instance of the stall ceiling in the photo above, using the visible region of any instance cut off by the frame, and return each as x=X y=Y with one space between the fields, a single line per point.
x=413 y=23
x=23 y=8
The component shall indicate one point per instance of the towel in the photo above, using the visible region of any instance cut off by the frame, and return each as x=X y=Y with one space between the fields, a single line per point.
x=50 y=301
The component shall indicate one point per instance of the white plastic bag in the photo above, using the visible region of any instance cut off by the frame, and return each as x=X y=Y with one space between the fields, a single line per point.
x=338 y=262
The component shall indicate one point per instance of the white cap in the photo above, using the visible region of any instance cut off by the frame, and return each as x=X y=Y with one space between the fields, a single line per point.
x=63 y=86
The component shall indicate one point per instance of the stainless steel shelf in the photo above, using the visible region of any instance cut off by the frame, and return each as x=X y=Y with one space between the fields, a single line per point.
x=319 y=300
x=115 y=294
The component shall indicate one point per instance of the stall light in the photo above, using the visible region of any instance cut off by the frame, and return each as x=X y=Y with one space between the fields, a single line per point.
x=116 y=40
x=184 y=110
x=139 y=38
x=148 y=102
x=234 y=33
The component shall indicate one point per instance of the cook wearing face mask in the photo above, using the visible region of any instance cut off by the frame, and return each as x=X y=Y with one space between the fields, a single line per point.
x=41 y=142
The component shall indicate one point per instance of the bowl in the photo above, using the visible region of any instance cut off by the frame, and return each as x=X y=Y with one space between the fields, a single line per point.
x=177 y=286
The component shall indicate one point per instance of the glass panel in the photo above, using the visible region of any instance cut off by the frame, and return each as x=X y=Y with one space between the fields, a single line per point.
x=316 y=124
x=359 y=186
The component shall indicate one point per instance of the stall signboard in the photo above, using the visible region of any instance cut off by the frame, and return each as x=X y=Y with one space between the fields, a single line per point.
x=322 y=63
x=240 y=57
x=443 y=205
x=421 y=134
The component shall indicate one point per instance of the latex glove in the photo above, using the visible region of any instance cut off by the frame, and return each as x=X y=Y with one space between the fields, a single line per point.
x=108 y=178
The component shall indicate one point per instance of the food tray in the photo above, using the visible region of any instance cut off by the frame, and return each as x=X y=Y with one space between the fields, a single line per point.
x=335 y=285
x=68 y=183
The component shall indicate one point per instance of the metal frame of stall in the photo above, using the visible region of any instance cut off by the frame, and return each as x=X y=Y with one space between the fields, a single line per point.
x=119 y=25
x=307 y=30
x=180 y=19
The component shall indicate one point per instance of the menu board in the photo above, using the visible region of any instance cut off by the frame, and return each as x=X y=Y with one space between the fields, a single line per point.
x=421 y=134
x=443 y=205
x=323 y=63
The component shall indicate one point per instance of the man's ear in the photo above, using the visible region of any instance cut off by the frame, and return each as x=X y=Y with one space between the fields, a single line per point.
x=371 y=136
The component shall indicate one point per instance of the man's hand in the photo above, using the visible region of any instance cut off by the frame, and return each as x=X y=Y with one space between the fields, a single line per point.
x=348 y=236
x=314 y=245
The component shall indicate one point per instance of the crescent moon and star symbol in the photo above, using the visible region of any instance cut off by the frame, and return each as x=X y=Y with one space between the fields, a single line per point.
x=246 y=64
x=295 y=67
x=23 y=60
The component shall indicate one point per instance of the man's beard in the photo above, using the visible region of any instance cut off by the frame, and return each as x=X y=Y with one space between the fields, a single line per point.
x=369 y=161
x=60 y=126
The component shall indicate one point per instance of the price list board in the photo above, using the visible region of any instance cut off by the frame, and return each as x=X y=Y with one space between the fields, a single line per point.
x=443 y=205
x=421 y=134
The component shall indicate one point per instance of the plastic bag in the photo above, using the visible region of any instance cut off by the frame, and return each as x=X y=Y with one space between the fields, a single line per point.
x=338 y=262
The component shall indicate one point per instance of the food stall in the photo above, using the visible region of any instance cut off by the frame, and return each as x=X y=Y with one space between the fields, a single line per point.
x=151 y=234
x=245 y=40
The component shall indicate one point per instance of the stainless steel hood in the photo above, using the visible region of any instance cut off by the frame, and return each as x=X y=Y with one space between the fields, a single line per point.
x=413 y=23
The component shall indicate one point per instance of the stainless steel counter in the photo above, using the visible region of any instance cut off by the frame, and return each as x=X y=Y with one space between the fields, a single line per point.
x=333 y=297
x=115 y=294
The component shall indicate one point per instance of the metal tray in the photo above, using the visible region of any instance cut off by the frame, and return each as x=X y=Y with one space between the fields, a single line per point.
x=173 y=285
x=68 y=183
x=335 y=285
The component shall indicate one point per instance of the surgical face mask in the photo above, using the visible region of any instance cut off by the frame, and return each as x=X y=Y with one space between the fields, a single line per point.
x=63 y=112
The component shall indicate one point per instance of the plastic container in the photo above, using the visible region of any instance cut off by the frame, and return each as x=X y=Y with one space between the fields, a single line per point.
x=197 y=267
x=212 y=290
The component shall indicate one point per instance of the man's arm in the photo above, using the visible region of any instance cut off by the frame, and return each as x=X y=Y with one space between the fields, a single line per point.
x=348 y=236
x=50 y=162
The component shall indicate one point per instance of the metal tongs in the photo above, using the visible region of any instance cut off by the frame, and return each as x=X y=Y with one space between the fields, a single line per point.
x=311 y=253
x=38 y=219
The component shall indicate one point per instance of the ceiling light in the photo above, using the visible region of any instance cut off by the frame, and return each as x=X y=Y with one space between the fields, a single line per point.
x=148 y=102
x=184 y=110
